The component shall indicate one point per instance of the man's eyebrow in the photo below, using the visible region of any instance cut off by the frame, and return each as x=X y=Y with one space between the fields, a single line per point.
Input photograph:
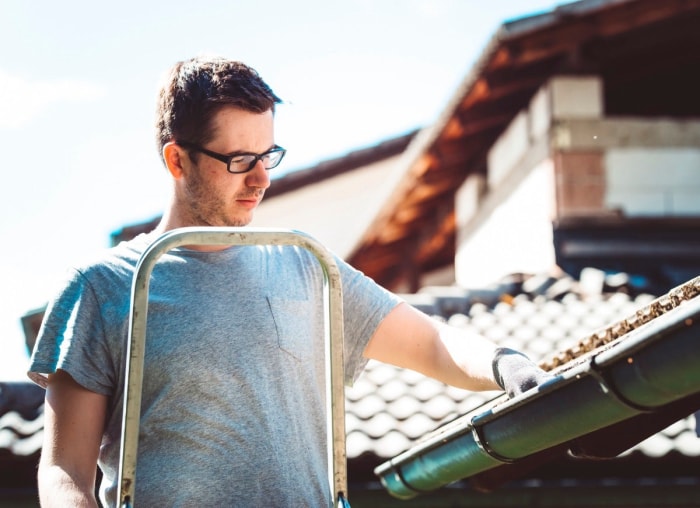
x=242 y=152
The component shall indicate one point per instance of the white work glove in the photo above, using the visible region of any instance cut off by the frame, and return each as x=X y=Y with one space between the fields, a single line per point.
x=515 y=372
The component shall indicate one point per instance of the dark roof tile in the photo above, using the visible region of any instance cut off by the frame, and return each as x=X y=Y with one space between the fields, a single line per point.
x=405 y=407
x=537 y=325
x=427 y=389
x=368 y=406
x=21 y=418
x=380 y=424
x=391 y=443
x=440 y=407
x=417 y=425
x=392 y=390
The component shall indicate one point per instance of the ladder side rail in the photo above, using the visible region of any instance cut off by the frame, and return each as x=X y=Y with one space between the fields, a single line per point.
x=333 y=331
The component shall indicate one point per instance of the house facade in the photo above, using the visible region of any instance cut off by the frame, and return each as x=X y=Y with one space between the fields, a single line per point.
x=574 y=138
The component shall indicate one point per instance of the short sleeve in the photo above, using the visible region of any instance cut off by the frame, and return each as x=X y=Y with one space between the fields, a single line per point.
x=72 y=339
x=365 y=305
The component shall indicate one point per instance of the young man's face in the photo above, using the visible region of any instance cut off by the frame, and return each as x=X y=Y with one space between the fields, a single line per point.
x=210 y=194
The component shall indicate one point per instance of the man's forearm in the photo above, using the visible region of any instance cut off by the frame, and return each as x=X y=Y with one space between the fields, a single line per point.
x=487 y=366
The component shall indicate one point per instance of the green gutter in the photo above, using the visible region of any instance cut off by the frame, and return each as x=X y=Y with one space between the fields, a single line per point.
x=654 y=365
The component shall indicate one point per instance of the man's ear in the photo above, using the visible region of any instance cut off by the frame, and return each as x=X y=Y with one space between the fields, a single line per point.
x=173 y=155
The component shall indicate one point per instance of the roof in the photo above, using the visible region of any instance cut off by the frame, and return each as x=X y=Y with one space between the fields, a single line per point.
x=390 y=409
x=625 y=41
x=21 y=435
x=626 y=379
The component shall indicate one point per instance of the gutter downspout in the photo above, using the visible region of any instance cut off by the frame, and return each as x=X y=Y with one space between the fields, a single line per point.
x=656 y=364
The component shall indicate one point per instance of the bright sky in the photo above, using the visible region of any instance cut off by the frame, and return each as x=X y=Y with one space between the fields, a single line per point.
x=77 y=95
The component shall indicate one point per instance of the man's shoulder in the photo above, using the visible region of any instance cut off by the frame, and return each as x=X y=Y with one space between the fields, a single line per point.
x=119 y=259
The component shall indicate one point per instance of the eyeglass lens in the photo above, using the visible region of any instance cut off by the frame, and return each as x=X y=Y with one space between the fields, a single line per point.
x=246 y=162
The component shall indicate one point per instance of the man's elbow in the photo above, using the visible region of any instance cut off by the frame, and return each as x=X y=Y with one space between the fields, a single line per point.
x=59 y=488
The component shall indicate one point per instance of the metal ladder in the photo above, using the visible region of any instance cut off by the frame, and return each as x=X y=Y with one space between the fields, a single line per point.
x=333 y=329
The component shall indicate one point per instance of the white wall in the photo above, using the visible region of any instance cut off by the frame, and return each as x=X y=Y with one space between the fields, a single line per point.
x=653 y=182
x=516 y=237
x=335 y=211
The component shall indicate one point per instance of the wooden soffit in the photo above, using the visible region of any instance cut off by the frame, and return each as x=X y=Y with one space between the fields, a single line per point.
x=415 y=230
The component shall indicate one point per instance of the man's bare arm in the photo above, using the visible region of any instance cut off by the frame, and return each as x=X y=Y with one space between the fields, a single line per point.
x=411 y=339
x=74 y=420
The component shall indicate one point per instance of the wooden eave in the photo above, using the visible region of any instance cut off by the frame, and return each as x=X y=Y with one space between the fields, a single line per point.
x=415 y=231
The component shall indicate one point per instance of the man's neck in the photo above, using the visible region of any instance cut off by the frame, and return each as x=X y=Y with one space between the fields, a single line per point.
x=169 y=223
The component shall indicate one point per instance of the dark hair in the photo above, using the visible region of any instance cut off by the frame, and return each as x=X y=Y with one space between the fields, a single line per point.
x=195 y=89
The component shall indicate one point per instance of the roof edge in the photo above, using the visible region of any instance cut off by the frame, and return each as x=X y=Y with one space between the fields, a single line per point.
x=656 y=365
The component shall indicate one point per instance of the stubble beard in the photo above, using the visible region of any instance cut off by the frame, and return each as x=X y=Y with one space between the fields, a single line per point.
x=207 y=208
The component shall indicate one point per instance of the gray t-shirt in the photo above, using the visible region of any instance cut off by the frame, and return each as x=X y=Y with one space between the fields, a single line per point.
x=233 y=409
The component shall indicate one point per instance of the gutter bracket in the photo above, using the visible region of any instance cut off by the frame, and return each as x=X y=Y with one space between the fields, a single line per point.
x=608 y=387
x=483 y=444
x=397 y=471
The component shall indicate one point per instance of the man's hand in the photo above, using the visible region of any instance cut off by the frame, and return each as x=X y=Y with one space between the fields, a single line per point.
x=515 y=372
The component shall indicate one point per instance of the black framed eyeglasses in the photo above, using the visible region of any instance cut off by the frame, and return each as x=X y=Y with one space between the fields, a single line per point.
x=241 y=162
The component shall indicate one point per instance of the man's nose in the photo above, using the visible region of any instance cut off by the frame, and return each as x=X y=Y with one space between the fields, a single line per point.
x=258 y=176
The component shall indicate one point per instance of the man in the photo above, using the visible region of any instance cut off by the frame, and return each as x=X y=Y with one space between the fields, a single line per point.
x=233 y=394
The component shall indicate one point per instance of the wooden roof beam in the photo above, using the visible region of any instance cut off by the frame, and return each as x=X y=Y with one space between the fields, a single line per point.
x=428 y=189
x=572 y=33
x=424 y=163
x=476 y=126
x=499 y=88
x=442 y=234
